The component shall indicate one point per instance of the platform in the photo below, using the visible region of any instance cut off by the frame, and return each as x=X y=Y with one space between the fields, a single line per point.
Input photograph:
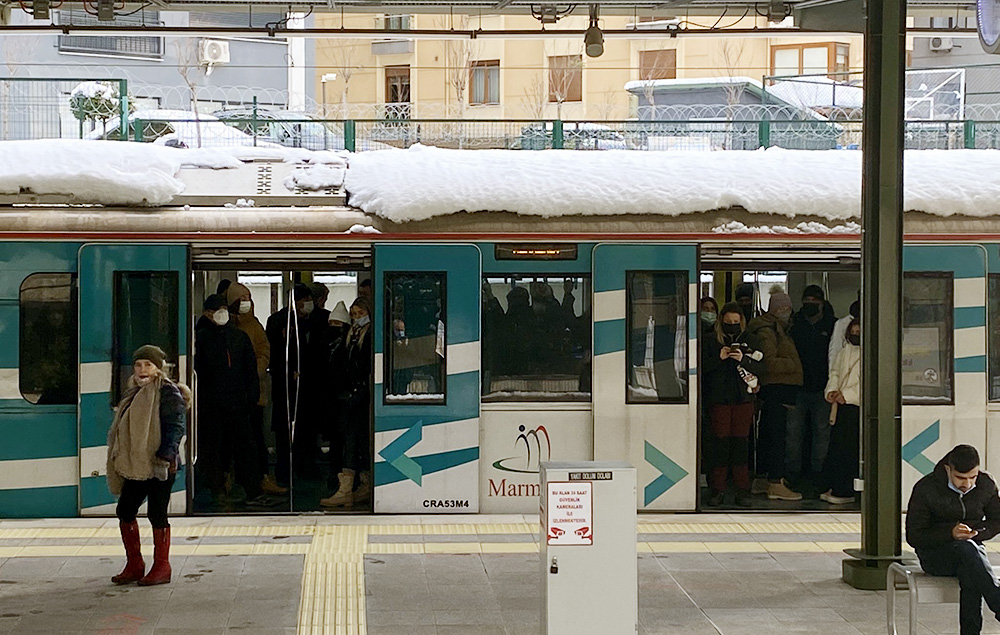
x=739 y=574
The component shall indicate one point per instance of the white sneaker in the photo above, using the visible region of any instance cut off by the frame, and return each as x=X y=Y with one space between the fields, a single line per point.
x=828 y=497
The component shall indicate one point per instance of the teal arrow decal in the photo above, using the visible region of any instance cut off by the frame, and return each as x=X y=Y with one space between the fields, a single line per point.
x=394 y=453
x=913 y=449
x=670 y=474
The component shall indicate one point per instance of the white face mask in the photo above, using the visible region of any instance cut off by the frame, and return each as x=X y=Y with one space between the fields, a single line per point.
x=221 y=317
x=245 y=306
x=307 y=307
x=361 y=321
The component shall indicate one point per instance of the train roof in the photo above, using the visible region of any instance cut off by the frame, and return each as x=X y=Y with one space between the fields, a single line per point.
x=424 y=188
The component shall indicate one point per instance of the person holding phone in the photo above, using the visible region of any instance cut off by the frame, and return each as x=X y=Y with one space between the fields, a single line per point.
x=952 y=512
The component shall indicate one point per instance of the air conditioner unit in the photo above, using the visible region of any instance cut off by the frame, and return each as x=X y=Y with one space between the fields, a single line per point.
x=213 y=52
x=942 y=44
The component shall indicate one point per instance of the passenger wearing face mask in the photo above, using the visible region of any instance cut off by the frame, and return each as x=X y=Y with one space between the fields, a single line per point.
x=228 y=391
x=356 y=429
x=286 y=376
x=334 y=381
x=709 y=315
x=242 y=315
x=844 y=389
x=731 y=371
x=839 y=337
x=811 y=330
x=779 y=387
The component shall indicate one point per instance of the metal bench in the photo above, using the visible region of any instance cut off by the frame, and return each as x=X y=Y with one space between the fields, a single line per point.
x=922 y=589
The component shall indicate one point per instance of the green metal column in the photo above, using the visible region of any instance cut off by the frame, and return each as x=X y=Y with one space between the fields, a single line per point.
x=350 y=135
x=123 y=109
x=881 y=297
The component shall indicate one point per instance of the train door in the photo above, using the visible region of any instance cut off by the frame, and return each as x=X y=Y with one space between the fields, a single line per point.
x=645 y=360
x=944 y=354
x=427 y=364
x=129 y=295
x=285 y=455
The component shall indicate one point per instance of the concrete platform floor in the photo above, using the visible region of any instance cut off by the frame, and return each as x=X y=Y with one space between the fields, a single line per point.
x=738 y=574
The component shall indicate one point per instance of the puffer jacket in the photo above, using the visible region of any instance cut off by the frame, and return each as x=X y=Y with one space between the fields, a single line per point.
x=723 y=384
x=845 y=375
x=780 y=356
x=249 y=324
x=935 y=509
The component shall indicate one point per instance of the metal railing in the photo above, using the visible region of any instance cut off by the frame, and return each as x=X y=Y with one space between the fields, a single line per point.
x=52 y=108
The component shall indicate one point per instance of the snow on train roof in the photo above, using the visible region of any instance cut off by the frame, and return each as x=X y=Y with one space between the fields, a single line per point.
x=425 y=182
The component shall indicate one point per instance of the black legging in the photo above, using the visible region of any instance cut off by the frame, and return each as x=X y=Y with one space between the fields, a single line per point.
x=135 y=492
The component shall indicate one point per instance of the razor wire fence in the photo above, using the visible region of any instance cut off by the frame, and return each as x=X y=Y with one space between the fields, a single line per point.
x=53 y=108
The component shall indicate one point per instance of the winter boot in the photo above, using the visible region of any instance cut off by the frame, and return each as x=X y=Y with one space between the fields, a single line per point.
x=160 y=573
x=364 y=491
x=345 y=494
x=269 y=486
x=135 y=567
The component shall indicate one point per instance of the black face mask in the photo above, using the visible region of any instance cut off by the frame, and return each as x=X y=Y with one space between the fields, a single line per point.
x=810 y=310
x=731 y=330
x=854 y=339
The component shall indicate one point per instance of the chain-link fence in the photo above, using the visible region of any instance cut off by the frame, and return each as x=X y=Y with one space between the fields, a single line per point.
x=54 y=108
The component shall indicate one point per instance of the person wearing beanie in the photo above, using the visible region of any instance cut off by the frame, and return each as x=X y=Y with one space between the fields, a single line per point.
x=240 y=303
x=143 y=457
x=744 y=298
x=228 y=391
x=811 y=331
x=779 y=387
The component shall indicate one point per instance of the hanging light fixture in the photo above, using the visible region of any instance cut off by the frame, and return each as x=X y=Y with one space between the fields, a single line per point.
x=593 y=39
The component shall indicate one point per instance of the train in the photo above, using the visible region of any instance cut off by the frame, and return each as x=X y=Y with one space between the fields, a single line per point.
x=466 y=401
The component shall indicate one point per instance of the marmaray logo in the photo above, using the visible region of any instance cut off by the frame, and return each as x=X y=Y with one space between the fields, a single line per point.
x=534 y=451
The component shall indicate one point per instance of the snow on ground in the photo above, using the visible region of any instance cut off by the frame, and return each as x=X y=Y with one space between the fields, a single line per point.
x=424 y=182
x=105 y=172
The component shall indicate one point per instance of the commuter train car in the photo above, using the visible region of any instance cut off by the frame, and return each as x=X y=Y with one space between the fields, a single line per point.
x=499 y=341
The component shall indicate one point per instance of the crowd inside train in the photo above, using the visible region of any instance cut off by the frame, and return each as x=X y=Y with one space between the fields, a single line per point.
x=317 y=363
x=794 y=379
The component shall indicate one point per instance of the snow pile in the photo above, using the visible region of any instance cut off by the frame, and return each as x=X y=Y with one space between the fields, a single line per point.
x=849 y=228
x=424 y=182
x=818 y=92
x=92 y=90
x=358 y=228
x=102 y=172
x=289 y=155
x=315 y=177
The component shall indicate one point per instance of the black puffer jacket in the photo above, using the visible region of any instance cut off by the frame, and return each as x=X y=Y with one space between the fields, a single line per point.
x=935 y=509
x=227 y=370
x=812 y=341
x=723 y=384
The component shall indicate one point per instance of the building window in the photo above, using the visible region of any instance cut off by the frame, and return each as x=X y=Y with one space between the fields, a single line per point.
x=810 y=59
x=536 y=337
x=146 y=312
x=416 y=347
x=660 y=64
x=47 y=353
x=396 y=23
x=565 y=78
x=928 y=323
x=484 y=83
x=115 y=45
x=656 y=337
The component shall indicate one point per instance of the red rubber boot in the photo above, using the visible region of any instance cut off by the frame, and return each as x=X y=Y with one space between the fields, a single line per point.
x=135 y=567
x=160 y=573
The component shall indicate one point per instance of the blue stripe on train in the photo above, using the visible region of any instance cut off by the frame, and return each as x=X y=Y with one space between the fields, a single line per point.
x=94 y=489
x=970 y=317
x=609 y=337
x=33 y=434
x=462 y=403
x=975 y=364
x=39 y=502
x=386 y=473
x=967 y=261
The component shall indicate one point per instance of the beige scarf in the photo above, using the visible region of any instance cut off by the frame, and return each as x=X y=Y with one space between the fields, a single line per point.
x=134 y=437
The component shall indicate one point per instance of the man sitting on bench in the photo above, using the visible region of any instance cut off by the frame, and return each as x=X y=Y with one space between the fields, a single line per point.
x=952 y=511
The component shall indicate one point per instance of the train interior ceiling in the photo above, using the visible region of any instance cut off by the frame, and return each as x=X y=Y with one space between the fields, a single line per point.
x=550 y=314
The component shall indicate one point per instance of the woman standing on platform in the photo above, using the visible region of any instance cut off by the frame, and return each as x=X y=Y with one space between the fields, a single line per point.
x=843 y=391
x=142 y=460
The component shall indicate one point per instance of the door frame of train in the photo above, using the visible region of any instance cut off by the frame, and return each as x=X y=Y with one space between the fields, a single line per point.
x=97 y=264
x=667 y=464
x=426 y=457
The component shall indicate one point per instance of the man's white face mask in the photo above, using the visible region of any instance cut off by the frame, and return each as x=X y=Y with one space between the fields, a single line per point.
x=245 y=306
x=221 y=317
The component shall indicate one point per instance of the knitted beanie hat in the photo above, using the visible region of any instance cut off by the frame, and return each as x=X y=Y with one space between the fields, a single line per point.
x=152 y=353
x=779 y=301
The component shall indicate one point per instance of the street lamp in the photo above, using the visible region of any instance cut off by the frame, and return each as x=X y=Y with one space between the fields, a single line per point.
x=326 y=77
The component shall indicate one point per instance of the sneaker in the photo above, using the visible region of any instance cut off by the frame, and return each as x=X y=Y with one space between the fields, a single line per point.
x=829 y=497
x=716 y=498
x=261 y=501
x=759 y=486
x=781 y=491
x=743 y=499
x=268 y=485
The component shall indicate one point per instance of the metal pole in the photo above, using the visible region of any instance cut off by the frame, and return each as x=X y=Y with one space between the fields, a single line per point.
x=123 y=109
x=881 y=297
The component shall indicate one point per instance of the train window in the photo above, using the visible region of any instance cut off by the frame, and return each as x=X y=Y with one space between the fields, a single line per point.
x=928 y=331
x=415 y=326
x=994 y=343
x=657 y=336
x=146 y=312
x=47 y=365
x=536 y=338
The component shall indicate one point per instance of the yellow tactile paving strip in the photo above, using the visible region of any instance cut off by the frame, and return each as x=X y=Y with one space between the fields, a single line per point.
x=333 y=585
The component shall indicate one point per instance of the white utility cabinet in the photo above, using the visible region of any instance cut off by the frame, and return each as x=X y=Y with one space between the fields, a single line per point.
x=588 y=548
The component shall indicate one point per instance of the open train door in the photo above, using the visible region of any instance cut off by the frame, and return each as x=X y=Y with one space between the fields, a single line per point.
x=427 y=362
x=645 y=360
x=129 y=295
